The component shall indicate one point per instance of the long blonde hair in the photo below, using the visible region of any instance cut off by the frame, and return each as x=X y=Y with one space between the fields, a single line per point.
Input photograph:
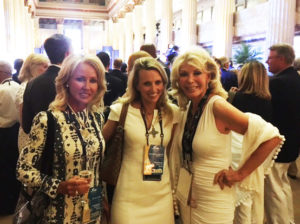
x=28 y=69
x=200 y=59
x=132 y=93
x=253 y=79
x=70 y=64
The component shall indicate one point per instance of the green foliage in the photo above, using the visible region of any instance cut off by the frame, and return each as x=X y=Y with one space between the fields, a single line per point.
x=245 y=53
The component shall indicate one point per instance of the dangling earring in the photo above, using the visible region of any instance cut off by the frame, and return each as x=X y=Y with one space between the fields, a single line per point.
x=67 y=85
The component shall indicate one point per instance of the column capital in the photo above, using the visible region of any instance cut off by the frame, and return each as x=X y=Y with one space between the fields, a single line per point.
x=114 y=19
x=121 y=14
x=138 y=2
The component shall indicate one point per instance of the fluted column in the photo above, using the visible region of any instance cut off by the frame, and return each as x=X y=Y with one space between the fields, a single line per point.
x=166 y=24
x=150 y=21
x=138 y=26
x=109 y=33
x=223 y=26
x=121 y=38
x=281 y=22
x=3 y=39
x=128 y=35
x=86 y=36
x=116 y=35
x=60 y=25
x=189 y=19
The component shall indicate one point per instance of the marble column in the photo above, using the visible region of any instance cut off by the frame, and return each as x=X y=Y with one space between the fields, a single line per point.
x=188 y=27
x=86 y=29
x=138 y=27
x=60 y=25
x=116 y=35
x=110 y=32
x=10 y=28
x=128 y=35
x=223 y=28
x=150 y=21
x=166 y=24
x=281 y=22
x=121 y=38
x=3 y=31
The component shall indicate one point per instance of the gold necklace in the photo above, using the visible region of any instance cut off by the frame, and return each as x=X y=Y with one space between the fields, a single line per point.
x=84 y=129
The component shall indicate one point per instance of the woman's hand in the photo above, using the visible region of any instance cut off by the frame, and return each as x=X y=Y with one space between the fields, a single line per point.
x=74 y=186
x=227 y=178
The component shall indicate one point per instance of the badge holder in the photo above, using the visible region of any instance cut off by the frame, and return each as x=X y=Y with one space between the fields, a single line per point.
x=153 y=162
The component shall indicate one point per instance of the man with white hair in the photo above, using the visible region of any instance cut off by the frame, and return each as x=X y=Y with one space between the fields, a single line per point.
x=285 y=91
x=9 y=127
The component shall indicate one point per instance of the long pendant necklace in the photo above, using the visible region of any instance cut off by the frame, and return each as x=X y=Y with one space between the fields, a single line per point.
x=82 y=121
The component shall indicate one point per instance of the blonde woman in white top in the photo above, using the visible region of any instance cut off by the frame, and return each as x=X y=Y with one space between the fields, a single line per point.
x=34 y=65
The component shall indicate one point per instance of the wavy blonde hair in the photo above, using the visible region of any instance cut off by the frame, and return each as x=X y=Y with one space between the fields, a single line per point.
x=28 y=69
x=69 y=66
x=253 y=79
x=132 y=94
x=135 y=56
x=201 y=60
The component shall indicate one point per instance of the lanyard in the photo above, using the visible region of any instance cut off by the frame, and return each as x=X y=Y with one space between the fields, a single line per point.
x=160 y=124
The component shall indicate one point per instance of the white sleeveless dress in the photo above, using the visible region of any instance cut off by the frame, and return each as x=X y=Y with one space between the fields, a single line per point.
x=211 y=153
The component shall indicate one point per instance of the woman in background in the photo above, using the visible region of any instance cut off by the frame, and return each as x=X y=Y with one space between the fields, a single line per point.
x=203 y=139
x=34 y=65
x=149 y=121
x=253 y=96
x=78 y=142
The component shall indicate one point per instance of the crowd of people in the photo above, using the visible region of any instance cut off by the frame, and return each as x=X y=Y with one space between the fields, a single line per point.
x=235 y=134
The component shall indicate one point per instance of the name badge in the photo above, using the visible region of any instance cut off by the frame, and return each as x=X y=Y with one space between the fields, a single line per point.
x=153 y=162
x=93 y=207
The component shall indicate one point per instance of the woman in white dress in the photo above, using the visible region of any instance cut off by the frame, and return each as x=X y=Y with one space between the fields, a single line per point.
x=138 y=197
x=34 y=65
x=203 y=139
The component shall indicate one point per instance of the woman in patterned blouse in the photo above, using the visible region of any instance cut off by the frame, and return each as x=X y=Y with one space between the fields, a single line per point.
x=78 y=141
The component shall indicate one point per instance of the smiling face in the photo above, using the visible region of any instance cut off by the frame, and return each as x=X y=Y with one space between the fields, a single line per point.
x=193 y=82
x=150 y=86
x=83 y=87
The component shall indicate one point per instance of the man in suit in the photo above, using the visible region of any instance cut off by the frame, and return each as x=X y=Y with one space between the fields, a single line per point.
x=116 y=72
x=9 y=128
x=114 y=84
x=285 y=91
x=40 y=92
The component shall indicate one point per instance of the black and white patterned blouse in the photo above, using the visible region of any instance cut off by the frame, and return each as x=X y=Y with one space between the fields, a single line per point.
x=68 y=160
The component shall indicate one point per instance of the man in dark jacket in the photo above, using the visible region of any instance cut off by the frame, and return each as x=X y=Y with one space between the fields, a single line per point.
x=285 y=91
x=114 y=84
x=40 y=92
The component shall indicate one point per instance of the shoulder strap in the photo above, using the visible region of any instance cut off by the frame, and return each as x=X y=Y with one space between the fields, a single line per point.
x=231 y=95
x=123 y=114
x=48 y=152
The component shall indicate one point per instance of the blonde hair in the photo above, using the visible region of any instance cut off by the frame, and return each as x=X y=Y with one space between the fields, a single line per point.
x=69 y=66
x=28 y=69
x=132 y=93
x=253 y=79
x=201 y=60
x=133 y=57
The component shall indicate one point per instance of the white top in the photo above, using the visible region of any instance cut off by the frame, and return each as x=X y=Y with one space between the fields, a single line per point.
x=136 y=201
x=8 y=113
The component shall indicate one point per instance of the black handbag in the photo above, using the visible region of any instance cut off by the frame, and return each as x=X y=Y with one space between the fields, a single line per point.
x=111 y=164
x=30 y=208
